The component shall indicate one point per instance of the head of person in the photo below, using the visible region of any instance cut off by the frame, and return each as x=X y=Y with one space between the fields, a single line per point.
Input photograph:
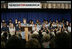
x=4 y=24
x=16 y=20
x=14 y=42
x=32 y=22
x=19 y=22
x=2 y=44
x=67 y=22
x=10 y=20
x=43 y=25
x=46 y=22
x=37 y=20
x=33 y=43
x=24 y=21
x=56 y=21
x=62 y=40
x=11 y=25
x=53 y=22
x=3 y=21
x=70 y=24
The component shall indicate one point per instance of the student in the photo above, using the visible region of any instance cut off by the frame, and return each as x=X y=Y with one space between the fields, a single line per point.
x=32 y=23
x=4 y=27
x=24 y=22
x=12 y=29
x=54 y=25
x=35 y=28
x=67 y=24
x=10 y=21
x=16 y=22
x=18 y=28
x=3 y=21
x=37 y=22
x=43 y=28
x=69 y=28
x=56 y=21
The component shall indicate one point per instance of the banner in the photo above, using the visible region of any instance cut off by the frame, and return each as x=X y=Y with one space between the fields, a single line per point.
x=24 y=5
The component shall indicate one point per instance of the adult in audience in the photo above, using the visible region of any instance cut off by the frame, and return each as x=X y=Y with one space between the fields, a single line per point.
x=62 y=40
x=69 y=28
x=33 y=43
x=14 y=42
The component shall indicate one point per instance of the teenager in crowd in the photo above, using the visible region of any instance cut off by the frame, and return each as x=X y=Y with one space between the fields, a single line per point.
x=10 y=21
x=16 y=22
x=3 y=21
x=12 y=29
x=4 y=28
x=69 y=28
x=24 y=22
x=18 y=28
x=37 y=22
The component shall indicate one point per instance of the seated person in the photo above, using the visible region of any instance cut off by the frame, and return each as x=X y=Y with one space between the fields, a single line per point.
x=54 y=25
x=44 y=22
x=35 y=28
x=3 y=21
x=16 y=22
x=30 y=21
x=59 y=25
x=43 y=28
x=66 y=24
x=37 y=22
x=4 y=28
x=18 y=28
x=24 y=22
x=32 y=24
x=11 y=29
x=47 y=24
x=10 y=21
x=56 y=21
x=69 y=28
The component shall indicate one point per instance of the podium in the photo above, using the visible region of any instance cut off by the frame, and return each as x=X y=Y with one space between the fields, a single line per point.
x=26 y=29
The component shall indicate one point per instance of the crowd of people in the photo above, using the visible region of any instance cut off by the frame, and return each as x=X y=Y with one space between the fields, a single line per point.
x=56 y=34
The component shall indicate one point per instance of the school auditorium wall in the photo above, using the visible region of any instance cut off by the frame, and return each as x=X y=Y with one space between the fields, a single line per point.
x=34 y=16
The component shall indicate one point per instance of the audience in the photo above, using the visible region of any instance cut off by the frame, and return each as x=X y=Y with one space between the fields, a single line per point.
x=48 y=35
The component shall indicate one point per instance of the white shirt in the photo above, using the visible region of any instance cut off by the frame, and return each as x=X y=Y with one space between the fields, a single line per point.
x=69 y=28
x=35 y=32
x=12 y=30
